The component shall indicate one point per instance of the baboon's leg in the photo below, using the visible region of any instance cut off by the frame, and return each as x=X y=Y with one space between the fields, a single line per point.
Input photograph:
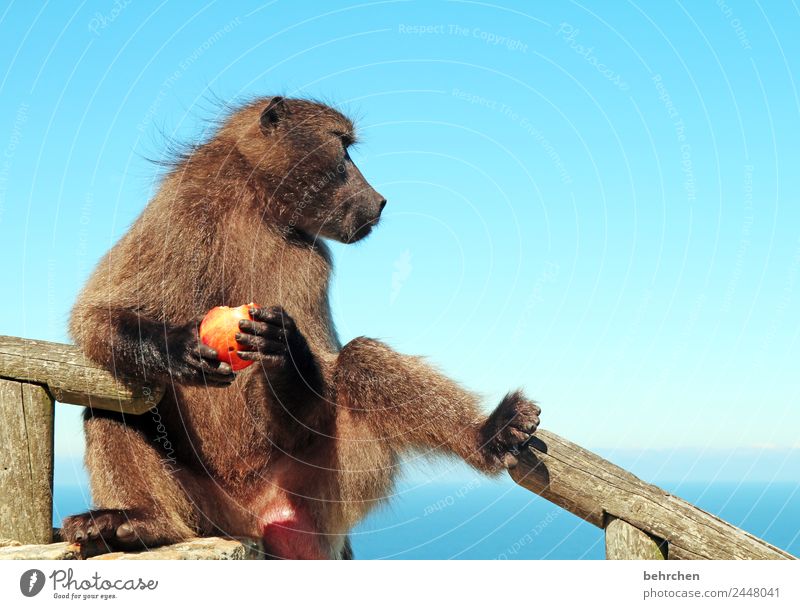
x=143 y=500
x=410 y=404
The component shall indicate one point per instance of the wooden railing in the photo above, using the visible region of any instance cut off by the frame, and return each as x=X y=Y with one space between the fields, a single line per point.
x=33 y=375
x=641 y=521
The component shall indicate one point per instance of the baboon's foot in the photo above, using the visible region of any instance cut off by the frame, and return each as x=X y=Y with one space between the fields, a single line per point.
x=101 y=530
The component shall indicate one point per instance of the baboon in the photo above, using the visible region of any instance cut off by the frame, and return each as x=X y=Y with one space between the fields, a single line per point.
x=298 y=447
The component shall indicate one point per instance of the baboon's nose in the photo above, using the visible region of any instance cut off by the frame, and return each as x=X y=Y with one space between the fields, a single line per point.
x=382 y=204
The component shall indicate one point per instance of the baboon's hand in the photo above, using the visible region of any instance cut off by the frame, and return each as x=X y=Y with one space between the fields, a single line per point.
x=508 y=428
x=194 y=363
x=272 y=337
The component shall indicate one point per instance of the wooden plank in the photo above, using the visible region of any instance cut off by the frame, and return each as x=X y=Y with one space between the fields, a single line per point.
x=206 y=548
x=26 y=456
x=50 y=551
x=7 y=543
x=209 y=548
x=625 y=542
x=676 y=553
x=591 y=487
x=71 y=377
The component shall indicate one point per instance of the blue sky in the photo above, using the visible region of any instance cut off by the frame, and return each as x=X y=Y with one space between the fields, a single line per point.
x=597 y=202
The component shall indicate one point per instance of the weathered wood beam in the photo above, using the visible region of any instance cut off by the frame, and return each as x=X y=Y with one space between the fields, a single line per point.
x=592 y=488
x=26 y=462
x=207 y=548
x=625 y=542
x=50 y=551
x=71 y=378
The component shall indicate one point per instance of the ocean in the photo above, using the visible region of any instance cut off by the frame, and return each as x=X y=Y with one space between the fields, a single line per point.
x=471 y=517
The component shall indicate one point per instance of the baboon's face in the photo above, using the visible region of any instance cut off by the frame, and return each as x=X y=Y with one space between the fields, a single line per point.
x=312 y=181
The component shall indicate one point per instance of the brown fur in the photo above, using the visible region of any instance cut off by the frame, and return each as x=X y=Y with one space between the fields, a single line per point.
x=313 y=426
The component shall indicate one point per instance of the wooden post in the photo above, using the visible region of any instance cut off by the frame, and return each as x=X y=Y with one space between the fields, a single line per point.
x=625 y=542
x=26 y=462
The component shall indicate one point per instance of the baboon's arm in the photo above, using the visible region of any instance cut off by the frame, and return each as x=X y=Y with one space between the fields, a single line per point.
x=409 y=404
x=131 y=344
x=291 y=372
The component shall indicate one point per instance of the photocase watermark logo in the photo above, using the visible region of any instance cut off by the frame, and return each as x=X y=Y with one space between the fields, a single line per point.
x=31 y=582
x=569 y=34
x=101 y=21
x=65 y=584
x=402 y=271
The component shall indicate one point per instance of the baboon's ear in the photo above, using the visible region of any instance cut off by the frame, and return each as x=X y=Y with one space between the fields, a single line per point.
x=274 y=112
